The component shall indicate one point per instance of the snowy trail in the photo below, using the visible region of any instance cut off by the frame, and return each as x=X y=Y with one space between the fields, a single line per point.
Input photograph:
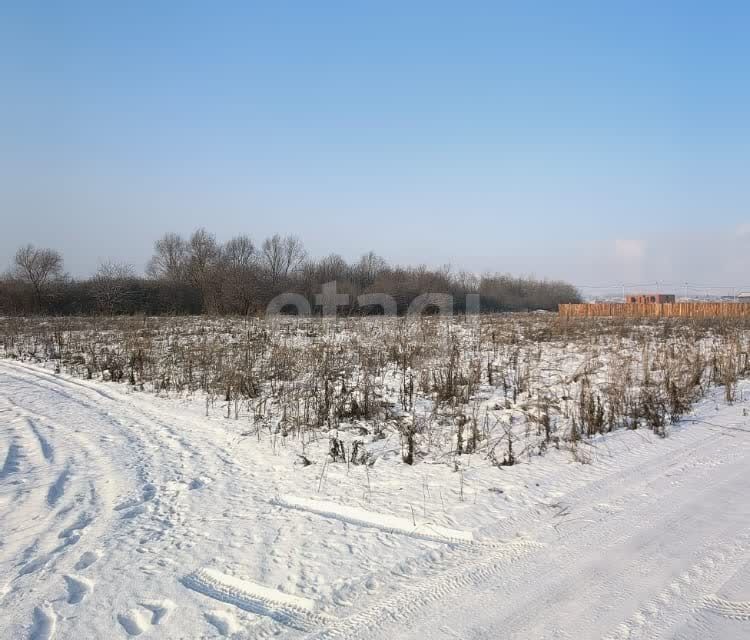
x=124 y=515
x=90 y=492
x=641 y=566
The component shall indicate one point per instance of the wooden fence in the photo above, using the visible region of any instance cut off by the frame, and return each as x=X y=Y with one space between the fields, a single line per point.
x=657 y=310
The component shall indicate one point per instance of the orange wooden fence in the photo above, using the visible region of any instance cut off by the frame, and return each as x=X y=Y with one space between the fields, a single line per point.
x=651 y=310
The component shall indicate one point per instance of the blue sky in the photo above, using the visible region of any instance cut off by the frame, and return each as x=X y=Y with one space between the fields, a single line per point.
x=578 y=140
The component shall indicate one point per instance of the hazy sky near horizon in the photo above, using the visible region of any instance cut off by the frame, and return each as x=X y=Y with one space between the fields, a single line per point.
x=595 y=142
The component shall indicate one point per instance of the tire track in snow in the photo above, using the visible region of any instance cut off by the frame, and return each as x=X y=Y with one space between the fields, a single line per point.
x=292 y=611
x=301 y=614
x=94 y=396
x=124 y=425
x=727 y=608
x=612 y=481
x=124 y=419
x=608 y=558
x=633 y=540
x=682 y=593
x=78 y=494
x=384 y=522
x=57 y=500
x=403 y=604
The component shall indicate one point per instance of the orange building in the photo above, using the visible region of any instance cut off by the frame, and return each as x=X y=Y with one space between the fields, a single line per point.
x=653 y=298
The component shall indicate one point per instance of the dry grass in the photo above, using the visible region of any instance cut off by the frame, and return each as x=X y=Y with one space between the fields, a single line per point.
x=503 y=386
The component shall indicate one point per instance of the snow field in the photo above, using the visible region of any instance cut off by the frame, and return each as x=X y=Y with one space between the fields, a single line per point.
x=130 y=514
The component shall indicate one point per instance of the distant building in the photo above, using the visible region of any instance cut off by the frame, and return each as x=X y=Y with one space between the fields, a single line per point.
x=650 y=298
x=743 y=296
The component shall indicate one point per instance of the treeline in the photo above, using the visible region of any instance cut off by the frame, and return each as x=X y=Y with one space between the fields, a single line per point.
x=200 y=275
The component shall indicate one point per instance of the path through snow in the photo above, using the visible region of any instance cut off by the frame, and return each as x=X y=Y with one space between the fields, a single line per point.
x=127 y=515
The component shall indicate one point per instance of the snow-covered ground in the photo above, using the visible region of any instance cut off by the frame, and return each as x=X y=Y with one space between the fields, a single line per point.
x=125 y=514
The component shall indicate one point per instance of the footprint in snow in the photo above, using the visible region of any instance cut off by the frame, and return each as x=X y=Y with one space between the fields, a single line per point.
x=160 y=609
x=148 y=493
x=224 y=622
x=78 y=588
x=44 y=623
x=136 y=511
x=135 y=621
x=199 y=482
x=87 y=559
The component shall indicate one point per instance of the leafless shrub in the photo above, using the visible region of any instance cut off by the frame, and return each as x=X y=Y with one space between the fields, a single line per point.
x=507 y=387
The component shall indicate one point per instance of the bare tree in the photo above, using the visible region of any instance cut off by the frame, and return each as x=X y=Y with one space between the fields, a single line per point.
x=282 y=255
x=169 y=261
x=368 y=268
x=204 y=255
x=239 y=274
x=332 y=267
x=110 y=284
x=39 y=268
x=239 y=252
x=203 y=252
x=193 y=262
x=111 y=270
